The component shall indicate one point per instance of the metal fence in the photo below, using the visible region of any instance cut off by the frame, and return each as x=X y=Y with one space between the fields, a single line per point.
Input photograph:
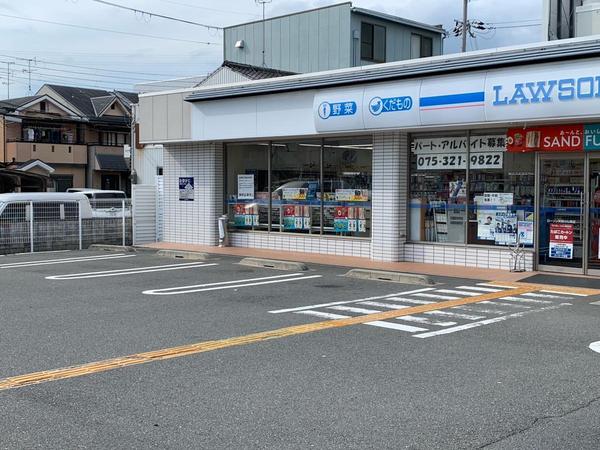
x=34 y=226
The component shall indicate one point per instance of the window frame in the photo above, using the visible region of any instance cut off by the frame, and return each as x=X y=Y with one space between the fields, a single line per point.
x=371 y=44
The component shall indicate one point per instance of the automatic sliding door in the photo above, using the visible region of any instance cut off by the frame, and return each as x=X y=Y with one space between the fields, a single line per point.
x=561 y=224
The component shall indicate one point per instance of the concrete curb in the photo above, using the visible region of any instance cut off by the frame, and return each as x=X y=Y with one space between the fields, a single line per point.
x=274 y=264
x=181 y=254
x=397 y=277
x=112 y=248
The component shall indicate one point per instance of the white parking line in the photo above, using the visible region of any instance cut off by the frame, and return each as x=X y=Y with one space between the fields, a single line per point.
x=484 y=322
x=130 y=271
x=481 y=289
x=230 y=284
x=422 y=320
x=595 y=347
x=48 y=262
x=395 y=326
x=454 y=315
x=354 y=309
x=525 y=300
x=452 y=291
x=437 y=297
x=343 y=302
x=376 y=323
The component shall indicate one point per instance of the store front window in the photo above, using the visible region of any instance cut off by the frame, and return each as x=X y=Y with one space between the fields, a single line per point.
x=347 y=186
x=247 y=186
x=438 y=188
x=501 y=193
x=320 y=187
x=296 y=171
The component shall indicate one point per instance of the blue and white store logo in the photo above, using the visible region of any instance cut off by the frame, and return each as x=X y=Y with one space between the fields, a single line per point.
x=337 y=109
x=379 y=105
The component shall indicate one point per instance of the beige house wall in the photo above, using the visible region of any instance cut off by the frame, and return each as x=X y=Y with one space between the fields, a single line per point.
x=49 y=153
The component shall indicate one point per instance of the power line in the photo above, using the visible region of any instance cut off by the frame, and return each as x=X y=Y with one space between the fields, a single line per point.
x=209 y=9
x=88 y=73
x=151 y=14
x=517 y=26
x=87 y=67
x=107 y=30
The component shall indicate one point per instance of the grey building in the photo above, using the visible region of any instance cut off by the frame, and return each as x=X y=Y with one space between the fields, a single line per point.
x=333 y=37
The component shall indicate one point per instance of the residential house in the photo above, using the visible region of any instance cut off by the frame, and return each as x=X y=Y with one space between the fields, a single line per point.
x=74 y=135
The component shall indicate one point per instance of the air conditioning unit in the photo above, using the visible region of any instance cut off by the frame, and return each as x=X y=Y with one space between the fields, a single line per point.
x=587 y=18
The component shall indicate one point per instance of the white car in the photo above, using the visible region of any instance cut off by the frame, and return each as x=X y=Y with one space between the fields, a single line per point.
x=105 y=204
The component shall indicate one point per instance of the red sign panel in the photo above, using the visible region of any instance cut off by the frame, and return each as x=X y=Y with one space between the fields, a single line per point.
x=565 y=138
x=561 y=233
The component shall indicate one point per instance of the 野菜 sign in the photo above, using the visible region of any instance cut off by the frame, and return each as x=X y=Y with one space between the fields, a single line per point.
x=560 y=138
x=561 y=240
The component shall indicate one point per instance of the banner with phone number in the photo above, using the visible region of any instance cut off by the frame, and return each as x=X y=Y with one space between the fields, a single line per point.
x=487 y=160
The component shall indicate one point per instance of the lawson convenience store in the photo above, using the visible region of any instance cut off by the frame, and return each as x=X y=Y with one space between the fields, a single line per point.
x=448 y=160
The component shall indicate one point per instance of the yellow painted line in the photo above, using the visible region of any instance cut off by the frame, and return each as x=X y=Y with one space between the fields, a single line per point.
x=208 y=346
x=548 y=287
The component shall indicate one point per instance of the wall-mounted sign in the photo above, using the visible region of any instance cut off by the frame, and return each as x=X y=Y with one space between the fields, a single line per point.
x=443 y=153
x=560 y=138
x=544 y=91
x=186 y=189
x=245 y=187
x=561 y=240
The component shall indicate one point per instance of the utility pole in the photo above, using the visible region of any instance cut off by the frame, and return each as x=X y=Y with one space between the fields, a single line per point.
x=8 y=79
x=465 y=25
x=264 y=39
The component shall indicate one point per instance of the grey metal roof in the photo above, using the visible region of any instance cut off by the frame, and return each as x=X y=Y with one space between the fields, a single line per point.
x=400 y=20
x=14 y=103
x=423 y=67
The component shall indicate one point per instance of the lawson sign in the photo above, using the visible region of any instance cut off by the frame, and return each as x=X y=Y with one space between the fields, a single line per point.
x=547 y=91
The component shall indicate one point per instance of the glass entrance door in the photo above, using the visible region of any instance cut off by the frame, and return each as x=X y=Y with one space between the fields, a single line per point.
x=562 y=213
x=594 y=217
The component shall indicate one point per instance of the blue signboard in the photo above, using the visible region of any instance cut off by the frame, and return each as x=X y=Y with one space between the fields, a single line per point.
x=379 y=105
x=337 y=109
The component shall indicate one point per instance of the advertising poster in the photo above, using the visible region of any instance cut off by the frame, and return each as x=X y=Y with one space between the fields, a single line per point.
x=245 y=187
x=525 y=232
x=505 y=232
x=186 y=189
x=560 y=138
x=561 y=240
x=245 y=216
x=295 y=193
x=296 y=217
x=352 y=195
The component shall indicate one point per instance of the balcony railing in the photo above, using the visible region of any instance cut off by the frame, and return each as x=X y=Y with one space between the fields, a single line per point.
x=48 y=141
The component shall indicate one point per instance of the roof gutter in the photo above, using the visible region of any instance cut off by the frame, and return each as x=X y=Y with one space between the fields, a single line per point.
x=395 y=71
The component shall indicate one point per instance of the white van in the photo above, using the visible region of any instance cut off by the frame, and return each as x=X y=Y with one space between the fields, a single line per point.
x=46 y=206
x=105 y=204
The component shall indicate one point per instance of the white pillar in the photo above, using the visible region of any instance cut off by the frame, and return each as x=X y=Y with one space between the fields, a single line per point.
x=390 y=196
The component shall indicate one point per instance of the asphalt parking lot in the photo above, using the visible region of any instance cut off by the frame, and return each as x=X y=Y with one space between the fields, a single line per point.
x=511 y=370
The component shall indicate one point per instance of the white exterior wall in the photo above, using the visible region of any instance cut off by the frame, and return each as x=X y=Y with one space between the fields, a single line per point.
x=193 y=222
x=389 y=195
x=147 y=160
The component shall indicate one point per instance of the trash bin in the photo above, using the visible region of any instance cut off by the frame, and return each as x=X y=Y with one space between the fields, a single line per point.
x=223 y=231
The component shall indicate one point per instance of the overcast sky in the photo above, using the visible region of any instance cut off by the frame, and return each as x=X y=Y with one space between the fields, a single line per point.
x=128 y=59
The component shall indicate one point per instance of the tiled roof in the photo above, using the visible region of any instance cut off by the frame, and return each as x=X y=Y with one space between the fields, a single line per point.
x=255 y=72
x=82 y=98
